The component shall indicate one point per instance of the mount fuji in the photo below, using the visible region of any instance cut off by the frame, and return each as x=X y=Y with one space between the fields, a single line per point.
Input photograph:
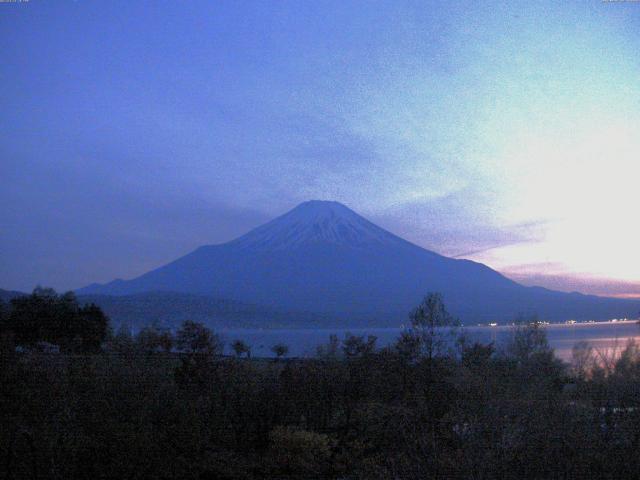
x=324 y=258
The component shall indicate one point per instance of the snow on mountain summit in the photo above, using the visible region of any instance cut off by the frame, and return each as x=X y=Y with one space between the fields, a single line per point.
x=314 y=222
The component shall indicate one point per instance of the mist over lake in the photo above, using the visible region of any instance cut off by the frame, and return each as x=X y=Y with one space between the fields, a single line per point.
x=606 y=337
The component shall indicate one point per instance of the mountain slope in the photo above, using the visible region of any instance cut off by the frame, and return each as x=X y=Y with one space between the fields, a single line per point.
x=322 y=257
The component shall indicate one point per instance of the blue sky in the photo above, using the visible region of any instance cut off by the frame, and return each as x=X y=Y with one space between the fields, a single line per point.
x=135 y=131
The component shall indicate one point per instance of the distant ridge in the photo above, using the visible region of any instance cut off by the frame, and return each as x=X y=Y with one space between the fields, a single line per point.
x=322 y=257
x=7 y=295
x=170 y=309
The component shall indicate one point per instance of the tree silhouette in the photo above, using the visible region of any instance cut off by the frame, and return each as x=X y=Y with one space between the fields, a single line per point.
x=45 y=316
x=357 y=346
x=152 y=339
x=280 y=350
x=195 y=338
x=240 y=348
x=432 y=325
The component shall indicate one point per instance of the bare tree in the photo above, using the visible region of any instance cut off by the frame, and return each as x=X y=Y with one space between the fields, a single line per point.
x=433 y=325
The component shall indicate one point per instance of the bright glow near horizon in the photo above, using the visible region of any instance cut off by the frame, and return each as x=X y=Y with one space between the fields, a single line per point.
x=553 y=142
x=584 y=182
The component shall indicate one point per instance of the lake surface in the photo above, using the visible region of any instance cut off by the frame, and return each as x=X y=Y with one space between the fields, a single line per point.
x=607 y=338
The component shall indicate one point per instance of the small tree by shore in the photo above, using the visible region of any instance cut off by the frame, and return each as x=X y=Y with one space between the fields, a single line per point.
x=240 y=348
x=280 y=350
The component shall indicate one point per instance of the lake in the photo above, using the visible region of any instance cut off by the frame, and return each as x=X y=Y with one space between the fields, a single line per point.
x=606 y=337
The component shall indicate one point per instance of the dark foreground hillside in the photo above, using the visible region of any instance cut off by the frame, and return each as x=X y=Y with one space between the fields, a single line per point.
x=136 y=414
x=79 y=402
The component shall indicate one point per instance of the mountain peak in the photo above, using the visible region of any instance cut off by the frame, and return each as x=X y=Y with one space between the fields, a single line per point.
x=322 y=205
x=316 y=210
x=316 y=222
